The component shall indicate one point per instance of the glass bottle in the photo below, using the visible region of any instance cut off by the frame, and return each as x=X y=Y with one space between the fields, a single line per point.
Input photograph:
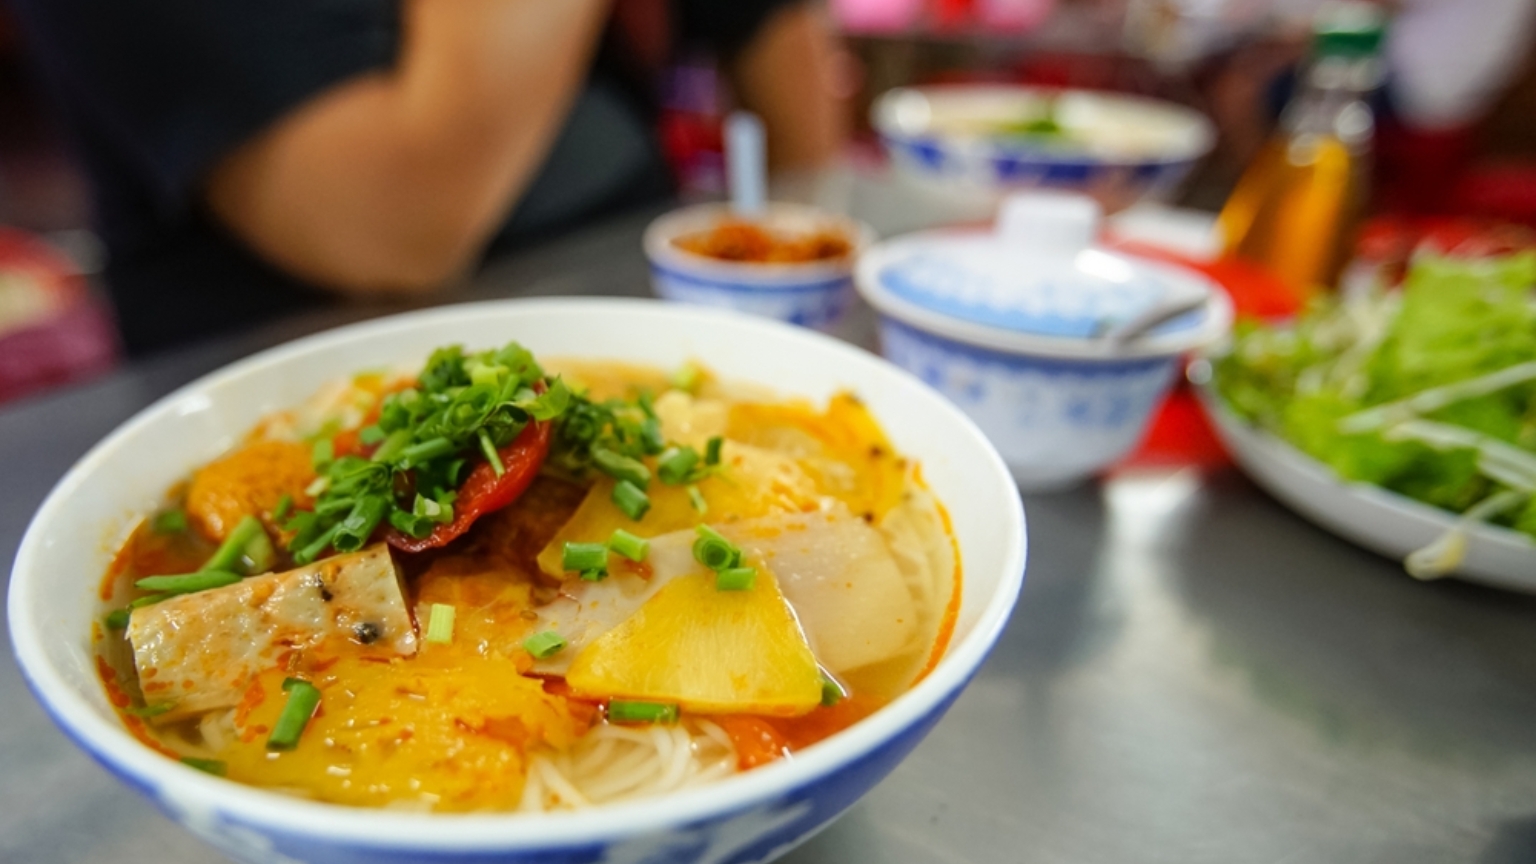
x=1297 y=206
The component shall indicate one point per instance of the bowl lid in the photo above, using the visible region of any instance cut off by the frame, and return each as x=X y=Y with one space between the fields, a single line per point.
x=1038 y=284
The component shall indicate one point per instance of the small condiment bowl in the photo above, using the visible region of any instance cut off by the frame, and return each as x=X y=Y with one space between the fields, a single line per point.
x=1023 y=329
x=753 y=816
x=814 y=294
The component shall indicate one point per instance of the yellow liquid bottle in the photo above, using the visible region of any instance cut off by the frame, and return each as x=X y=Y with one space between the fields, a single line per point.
x=1296 y=207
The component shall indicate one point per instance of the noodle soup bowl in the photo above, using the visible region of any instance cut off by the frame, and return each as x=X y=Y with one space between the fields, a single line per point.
x=815 y=294
x=749 y=817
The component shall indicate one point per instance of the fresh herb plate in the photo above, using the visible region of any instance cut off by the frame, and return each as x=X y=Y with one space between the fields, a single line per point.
x=1373 y=517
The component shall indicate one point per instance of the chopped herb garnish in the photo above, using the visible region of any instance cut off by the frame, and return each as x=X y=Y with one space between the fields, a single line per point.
x=188 y=583
x=676 y=465
x=583 y=557
x=147 y=711
x=283 y=508
x=631 y=500
x=696 y=498
x=117 y=619
x=149 y=600
x=440 y=624
x=626 y=544
x=736 y=579
x=545 y=644
x=712 y=451
x=714 y=551
x=622 y=468
x=831 y=691
x=322 y=453
x=207 y=766
x=230 y=555
x=170 y=522
x=642 y=712
x=303 y=699
x=594 y=575
x=687 y=378
x=371 y=435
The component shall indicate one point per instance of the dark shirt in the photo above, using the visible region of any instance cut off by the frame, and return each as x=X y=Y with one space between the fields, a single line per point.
x=155 y=93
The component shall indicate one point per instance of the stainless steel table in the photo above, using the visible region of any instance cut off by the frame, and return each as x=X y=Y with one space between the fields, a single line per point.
x=1193 y=674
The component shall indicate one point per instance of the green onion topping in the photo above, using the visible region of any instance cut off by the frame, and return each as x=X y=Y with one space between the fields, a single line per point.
x=687 y=378
x=284 y=507
x=594 y=575
x=583 y=557
x=712 y=451
x=626 y=544
x=170 y=522
x=148 y=711
x=676 y=465
x=642 y=712
x=631 y=500
x=303 y=699
x=623 y=468
x=231 y=553
x=117 y=619
x=207 y=766
x=831 y=691
x=188 y=583
x=714 y=551
x=440 y=624
x=322 y=454
x=736 y=579
x=696 y=498
x=545 y=644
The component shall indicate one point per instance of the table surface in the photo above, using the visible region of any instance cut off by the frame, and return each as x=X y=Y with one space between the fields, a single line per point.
x=1194 y=674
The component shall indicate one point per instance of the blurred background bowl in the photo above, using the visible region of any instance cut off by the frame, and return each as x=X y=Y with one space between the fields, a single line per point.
x=983 y=141
x=754 y=816
x=815 y=294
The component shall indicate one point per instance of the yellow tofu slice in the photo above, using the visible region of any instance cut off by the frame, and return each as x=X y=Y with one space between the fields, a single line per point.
x=199 y=652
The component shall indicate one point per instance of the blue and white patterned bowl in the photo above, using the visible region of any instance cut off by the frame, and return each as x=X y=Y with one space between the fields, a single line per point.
x=1124 y=149
x=1014 y=337
x=815 y=294
x=749 y=818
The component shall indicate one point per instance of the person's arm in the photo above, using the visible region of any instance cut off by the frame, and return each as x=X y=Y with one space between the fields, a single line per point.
x=788 y=75
x=393 y=181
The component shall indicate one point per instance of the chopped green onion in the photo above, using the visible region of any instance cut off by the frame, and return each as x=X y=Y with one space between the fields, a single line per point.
x=641 y=712
x=317 y=486
x=371 y=435
x=207 y=766
x=322 y=454
x=831 y=691
x=259 y=555
x=584 y=556
x=676 y=465
x=148 y=600
x=488 y=447
x=712 y=451
x=594 y=575
x=393 y=443
x=621 y=467
x=171 y=522
x=696 y=498
x=354 y=531
x=419 y=453
x=303 y=699
x=188 y=583
x=283 y=508
x=626 y=544
x=650 y=436
x=714 y=551
x=687 y=377
x=227 y=556
x=736 y=579
x=440 y=624
x=482 y=374
x=309 y=553
x=631 y=500
x=545 y=644
x=148 y=711
x=117 y=619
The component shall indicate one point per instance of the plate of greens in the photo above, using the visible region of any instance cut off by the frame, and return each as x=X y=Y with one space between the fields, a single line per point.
x=1402 y=420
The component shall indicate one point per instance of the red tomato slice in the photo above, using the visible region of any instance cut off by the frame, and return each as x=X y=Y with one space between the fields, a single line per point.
x=483 y=492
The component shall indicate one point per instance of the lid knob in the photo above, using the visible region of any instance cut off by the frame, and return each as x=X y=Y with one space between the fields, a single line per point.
x=1058 y=224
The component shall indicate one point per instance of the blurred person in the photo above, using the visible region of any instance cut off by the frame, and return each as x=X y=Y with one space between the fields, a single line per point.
x=253 y=158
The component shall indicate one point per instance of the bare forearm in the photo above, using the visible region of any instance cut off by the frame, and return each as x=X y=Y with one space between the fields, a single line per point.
x=788 y=76
x=393 y=181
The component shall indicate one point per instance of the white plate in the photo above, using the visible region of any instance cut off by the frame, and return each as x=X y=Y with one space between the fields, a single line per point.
x=1371 y=516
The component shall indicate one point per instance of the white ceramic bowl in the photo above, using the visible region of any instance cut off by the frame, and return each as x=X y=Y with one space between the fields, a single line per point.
x=752 y=817
x=1125 y=148
x=1059 y=409
x=815 y=294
